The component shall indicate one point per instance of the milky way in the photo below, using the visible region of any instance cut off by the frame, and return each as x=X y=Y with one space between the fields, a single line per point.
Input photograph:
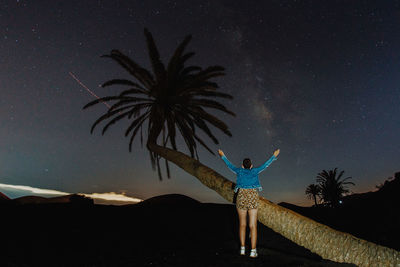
x=317 y=79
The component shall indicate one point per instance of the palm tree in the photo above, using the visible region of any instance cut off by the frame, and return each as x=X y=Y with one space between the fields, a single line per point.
x=312 y=191
x=332 y=187
x=175 y=97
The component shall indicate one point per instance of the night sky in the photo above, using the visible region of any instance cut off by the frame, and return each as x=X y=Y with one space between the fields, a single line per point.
x=317 y=79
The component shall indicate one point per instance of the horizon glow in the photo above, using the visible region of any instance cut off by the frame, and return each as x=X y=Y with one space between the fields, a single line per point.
x=111 y=196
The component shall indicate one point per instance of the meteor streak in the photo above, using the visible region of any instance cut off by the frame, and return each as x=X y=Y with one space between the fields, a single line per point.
x=87 y=89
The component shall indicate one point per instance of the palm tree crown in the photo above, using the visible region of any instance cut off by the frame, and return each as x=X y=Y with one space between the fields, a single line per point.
x=312 y=191
x=332 y=187
x=170 y=98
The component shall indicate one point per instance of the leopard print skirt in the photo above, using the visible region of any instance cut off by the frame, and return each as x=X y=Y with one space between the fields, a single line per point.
x=247 y=199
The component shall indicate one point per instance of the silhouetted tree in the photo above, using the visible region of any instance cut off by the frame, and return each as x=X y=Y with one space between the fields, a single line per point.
x=312 y=191
x=390 y=185
x=175 y=97
x=381 y=185
x=332 y=187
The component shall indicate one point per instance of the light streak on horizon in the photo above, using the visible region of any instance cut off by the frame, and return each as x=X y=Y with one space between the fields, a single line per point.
x=33 y=189
x=111 y=196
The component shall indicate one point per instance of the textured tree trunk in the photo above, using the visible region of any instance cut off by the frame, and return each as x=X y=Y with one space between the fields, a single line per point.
x=315 y=200
x=318 y=238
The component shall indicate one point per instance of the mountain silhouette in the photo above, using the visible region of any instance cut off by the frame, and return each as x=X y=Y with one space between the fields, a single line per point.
x=71 y=198
x=167 y=230
x=372 y=216
x=388 y=194
x=170 y=199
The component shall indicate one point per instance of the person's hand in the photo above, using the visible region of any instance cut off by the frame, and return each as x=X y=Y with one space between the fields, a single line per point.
x=276 y=153
x=220 y=152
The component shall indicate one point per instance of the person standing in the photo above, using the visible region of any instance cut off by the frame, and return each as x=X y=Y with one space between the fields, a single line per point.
x=247 y=184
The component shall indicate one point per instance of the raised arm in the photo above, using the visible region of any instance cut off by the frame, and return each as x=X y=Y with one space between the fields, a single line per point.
x=265 y=165
x=227 y=162
x=268 y=162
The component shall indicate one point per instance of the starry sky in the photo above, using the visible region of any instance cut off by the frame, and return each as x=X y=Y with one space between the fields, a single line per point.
x=317 y=79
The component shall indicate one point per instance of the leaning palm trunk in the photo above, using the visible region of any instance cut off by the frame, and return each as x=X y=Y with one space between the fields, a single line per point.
x=318 y=238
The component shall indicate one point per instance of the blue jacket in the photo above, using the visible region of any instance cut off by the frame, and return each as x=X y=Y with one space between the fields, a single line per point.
x=247 y=178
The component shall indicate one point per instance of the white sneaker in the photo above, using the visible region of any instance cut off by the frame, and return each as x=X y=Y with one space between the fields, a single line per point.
x=242 y=250
x=253 y=253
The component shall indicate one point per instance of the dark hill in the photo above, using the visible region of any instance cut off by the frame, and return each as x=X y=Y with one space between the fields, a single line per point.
x=71 y=198
x=387 y=195
x=168 y=200
x=169 y=230
x=372 y=216
x=3 y=197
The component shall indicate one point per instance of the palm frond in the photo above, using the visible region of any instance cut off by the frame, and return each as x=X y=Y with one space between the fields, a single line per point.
x=203 y=144
x=210 y=72
x=122 y=82
x=158 y=167
x=167 y=167
x=135 y=123
x=187 y=135
x=186 y=57
x=158 y=66
x=135 y=111
x=141 y=74
x=138 y=126
x=189 y=69
x=210 y=93
x=175 y=59
x=113 y=121
x=211 y=119
x=133 y=91
x=202 y=125
x=211 y=104
x=102 y=99
x=129 y=101
x=171 y=131
x=106 y=116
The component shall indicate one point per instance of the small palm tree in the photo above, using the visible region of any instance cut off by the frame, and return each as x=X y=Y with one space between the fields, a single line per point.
x=332 y=187
x=312 y=191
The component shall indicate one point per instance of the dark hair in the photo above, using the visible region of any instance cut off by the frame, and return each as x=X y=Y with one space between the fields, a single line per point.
x=246 y=163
